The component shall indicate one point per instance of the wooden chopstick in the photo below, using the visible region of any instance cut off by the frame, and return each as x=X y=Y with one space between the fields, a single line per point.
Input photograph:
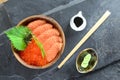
x=89 y=33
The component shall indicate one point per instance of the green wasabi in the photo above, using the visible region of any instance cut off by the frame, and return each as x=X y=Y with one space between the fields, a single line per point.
x=86 y=61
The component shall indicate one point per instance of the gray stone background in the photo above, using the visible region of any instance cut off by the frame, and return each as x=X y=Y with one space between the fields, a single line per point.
x=106 y=40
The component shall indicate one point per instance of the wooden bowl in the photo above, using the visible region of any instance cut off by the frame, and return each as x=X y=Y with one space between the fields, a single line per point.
x=27 y=20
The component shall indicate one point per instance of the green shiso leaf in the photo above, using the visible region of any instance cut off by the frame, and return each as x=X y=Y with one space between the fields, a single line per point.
x=20 y=36
x=17 y=42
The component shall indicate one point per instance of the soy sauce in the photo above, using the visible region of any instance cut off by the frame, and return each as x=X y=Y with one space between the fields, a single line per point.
x=78 y=21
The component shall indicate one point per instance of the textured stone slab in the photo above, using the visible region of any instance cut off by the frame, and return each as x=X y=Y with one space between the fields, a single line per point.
x=105 y=40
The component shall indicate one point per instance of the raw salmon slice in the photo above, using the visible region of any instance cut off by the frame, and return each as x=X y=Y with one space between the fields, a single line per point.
x=53 y=51
x=47 y=34
x=50 y=41
x=36 y=23
x=40 y=29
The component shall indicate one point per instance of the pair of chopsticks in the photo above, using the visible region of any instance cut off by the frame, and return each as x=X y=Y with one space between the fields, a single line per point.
x=82 y=41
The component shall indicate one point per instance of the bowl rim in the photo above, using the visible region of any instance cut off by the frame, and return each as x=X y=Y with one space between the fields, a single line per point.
x=53 y=22
x=94 y=64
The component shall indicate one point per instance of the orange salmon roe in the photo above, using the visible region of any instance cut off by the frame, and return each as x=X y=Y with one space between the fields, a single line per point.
x=32 y=55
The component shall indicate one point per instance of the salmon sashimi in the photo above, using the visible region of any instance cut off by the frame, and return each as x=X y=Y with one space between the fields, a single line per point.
x=47 y=34
x=36 y=23
x=53 y=51
x=50 y=41
x=40 y=29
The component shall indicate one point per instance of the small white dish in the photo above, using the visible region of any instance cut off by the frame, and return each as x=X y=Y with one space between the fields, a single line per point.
x=78 y=22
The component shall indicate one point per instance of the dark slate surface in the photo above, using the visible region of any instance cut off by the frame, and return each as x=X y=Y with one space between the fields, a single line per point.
x=105 y=40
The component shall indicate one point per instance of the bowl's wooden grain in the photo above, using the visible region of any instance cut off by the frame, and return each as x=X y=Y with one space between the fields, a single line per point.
x=27 y=20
